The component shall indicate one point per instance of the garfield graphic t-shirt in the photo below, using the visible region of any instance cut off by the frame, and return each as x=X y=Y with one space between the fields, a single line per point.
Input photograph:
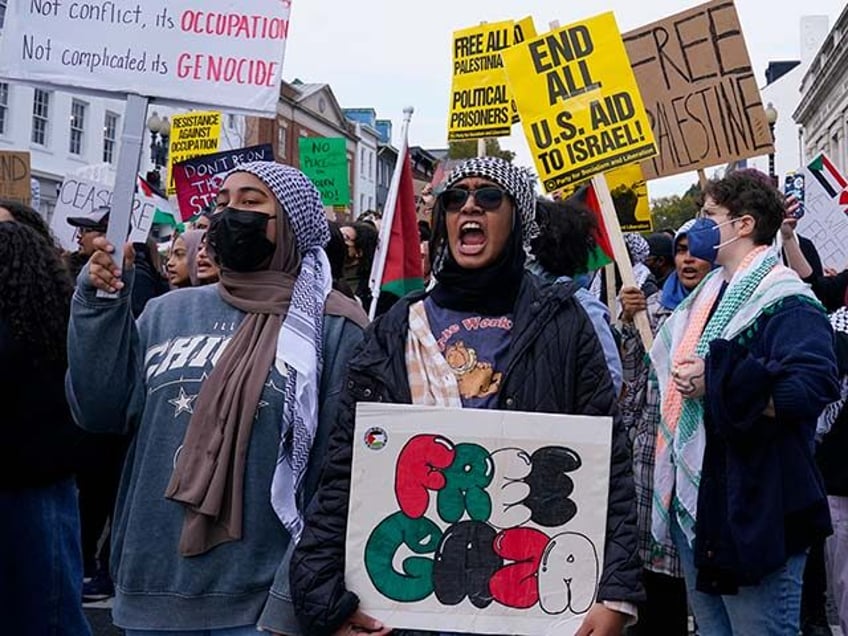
x=475 y=348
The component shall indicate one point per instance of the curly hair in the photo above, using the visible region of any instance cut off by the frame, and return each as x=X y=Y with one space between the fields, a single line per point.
x=28 y=216
x=35 y=292
x=566 y=236
x=750 y=192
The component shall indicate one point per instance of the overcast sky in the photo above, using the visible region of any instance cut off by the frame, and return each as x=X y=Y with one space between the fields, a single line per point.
x=389 y=54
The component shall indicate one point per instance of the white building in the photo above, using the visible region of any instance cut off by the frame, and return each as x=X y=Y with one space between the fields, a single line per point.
x=784 y=95
x=364 y=121
x=823 y=109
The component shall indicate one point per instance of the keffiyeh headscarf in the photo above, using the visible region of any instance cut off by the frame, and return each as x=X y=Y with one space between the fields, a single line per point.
x=639 y=250
x=283 y=326
x=490 y=290
x=839 y=322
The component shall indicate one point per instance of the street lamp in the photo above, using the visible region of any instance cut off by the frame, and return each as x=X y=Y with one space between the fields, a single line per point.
x=160 y=131
x=771 y=118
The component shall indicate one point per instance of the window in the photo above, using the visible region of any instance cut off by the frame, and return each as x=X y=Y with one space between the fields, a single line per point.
x=282 y=141
x=371 y=166
x=4 y=106
x=40 y=116
x=361 y=203
x=3 y=4
x=77 y=127
x=110 y=136
x=231 y=121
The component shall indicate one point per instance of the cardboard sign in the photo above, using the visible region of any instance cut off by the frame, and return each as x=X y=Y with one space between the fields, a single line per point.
x=197 y=180
x=578 y=100
x=192 y=135
x=480 y=98
x=219 y=52
x=505 y=514
x=15 y=176
x=699 y=89
x=825 y=221
x=80 y=197
x=325 y=162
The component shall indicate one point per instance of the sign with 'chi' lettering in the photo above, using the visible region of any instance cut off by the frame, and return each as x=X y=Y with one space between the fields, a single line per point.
x=579 y=103
x=218 y=52
x=477 y=521
x=699 y=89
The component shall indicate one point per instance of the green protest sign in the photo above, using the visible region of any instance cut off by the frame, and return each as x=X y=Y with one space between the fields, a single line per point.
x=325 y=162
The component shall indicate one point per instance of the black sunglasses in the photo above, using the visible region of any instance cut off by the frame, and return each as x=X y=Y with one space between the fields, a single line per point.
x=487 y=198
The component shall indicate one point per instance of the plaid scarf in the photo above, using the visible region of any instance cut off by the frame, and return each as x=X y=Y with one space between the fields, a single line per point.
x=759 y=283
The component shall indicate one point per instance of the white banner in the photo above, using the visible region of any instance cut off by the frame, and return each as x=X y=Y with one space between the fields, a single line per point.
x=81 y=197
x=825 y=221
x=477 y=521
x=223 y=53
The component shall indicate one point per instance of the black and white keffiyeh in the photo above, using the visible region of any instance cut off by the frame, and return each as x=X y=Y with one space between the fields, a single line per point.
x=839 y=322
x=299 y=345
x=514 y=180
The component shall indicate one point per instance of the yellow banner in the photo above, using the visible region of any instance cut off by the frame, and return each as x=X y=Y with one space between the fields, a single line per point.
x=579 y=102
x=480 y=102
x=192 y=135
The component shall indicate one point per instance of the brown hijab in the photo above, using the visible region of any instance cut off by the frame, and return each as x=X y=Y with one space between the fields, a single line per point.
x=209 y=473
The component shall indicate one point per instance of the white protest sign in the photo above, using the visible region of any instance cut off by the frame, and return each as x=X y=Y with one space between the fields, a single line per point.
x=825 y=221
x=477 y=521
x=219 y=52
x=80 y=197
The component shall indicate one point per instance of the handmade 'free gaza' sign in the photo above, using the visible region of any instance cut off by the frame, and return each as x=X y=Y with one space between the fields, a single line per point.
x=477 y=521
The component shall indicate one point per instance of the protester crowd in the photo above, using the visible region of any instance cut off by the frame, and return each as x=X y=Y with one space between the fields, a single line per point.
x=186 y=447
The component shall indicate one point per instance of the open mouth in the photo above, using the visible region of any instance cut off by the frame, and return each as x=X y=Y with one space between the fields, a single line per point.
x=472 y=238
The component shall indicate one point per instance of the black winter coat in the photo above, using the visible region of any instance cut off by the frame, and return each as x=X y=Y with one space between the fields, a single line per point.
x=555 y=365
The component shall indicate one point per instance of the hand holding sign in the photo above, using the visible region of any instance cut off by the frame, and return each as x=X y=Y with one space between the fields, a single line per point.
x=103 y=272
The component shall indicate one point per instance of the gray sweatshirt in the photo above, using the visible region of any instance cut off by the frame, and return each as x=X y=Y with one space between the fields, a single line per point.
x=143 y=378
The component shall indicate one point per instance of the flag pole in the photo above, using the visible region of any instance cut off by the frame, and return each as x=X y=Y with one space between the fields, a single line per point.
x=379 y=264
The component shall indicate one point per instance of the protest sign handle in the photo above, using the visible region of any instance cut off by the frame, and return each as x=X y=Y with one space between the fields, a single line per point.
x=622 y=256
x=609 y=278
x=702 y=179
x=378 y=267
x=126 y=176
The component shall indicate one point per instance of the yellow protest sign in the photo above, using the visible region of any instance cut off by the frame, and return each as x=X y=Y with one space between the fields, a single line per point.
x=192 y=135
x=524 y=29
x=480 y=103
x=629 y=191
x=579 y=102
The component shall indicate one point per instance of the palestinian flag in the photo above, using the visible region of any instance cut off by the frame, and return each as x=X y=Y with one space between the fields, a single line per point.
x=602 y=254
x=164 y=214
x=397 y=263
x=829 y=178
x=402 y=272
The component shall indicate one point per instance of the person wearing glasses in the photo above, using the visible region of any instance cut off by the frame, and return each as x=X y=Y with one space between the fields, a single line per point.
x=540 y=354
x=88 y=228
x=227 y=393
x=744 y=367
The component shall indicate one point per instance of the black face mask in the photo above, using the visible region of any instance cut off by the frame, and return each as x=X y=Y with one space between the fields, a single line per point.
x=238 y=238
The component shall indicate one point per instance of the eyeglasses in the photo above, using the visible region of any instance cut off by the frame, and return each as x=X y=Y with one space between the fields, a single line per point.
x=488 y=198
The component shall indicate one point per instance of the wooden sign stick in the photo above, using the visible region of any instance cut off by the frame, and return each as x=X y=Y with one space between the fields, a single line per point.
x=622 y=256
